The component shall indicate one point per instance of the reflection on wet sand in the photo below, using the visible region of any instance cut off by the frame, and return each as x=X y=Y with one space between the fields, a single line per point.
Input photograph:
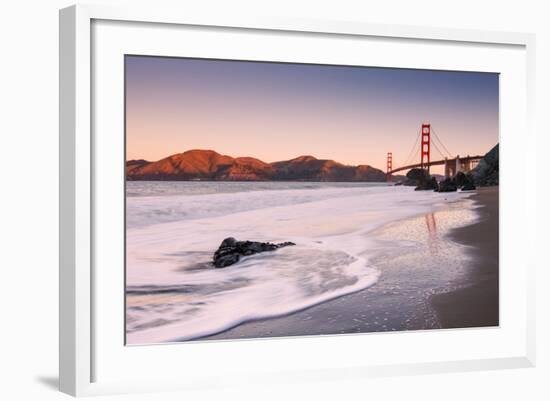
x=424 y=261
x=432 y=232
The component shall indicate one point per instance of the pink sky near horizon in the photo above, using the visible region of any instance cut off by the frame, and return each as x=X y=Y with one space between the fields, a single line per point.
x=277 y=112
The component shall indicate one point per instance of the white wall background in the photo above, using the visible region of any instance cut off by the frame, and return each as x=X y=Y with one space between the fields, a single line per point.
x=29 y=186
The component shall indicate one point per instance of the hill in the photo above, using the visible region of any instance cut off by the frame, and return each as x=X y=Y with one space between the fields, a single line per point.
x=209 y=165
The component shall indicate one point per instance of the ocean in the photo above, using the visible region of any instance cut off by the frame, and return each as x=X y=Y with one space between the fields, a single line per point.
x=173 y=292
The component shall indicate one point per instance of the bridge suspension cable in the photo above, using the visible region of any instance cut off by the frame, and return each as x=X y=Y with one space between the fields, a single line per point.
x=437 y=148
x=451 y=164
x=442 y=145
x=417 y=149
x=413 y=150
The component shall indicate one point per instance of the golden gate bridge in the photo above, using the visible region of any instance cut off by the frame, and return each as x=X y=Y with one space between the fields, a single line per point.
x=425 y=140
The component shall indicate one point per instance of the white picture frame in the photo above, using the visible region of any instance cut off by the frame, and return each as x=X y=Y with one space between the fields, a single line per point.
x=79 y=349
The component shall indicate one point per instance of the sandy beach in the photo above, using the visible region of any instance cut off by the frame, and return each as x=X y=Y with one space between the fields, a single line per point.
x=368 y=259
x=476 y=305
x=400 y=300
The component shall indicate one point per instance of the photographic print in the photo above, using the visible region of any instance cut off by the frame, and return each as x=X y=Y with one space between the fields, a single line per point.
x=269 y=199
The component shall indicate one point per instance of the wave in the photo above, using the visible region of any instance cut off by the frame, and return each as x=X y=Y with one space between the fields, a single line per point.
x=174 y=293
x=261 y=286
x=193 y=202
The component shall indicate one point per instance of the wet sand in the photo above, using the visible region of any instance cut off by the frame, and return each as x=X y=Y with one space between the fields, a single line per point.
x=447 y=288
x=477 y=304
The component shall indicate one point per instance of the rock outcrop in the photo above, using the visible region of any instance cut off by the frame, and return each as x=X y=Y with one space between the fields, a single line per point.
x=422 y=179
x=447 y=185
x=425 y=182
x=427 y=185
x=461 y=181
x=469 y=186
x=231 y=250
x=464 y=181
x=486 y=172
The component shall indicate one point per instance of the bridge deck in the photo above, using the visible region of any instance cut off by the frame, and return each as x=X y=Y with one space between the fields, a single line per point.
x=436 y=163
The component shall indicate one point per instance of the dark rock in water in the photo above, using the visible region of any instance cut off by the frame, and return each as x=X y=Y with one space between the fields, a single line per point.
x=427 y=185
x=422 y=179
x=222 y=260
x=418 y=174
x=469 y=186
x=464 y=181
x=447 y=185
x=460 y=179
x=231 y=250
x=433 y=183
x=486 y=172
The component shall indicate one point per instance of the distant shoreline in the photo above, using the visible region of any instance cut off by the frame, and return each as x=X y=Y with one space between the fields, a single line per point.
x=302 y=181
x=206 y=164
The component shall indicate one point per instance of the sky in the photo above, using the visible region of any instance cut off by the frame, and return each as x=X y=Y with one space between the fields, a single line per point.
x=278 y=111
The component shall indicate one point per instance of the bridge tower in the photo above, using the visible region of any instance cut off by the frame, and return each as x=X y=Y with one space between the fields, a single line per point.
x=389 y=166
x=425 y=149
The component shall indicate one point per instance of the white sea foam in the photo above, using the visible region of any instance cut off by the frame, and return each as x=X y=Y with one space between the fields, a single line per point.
x=174 y=293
